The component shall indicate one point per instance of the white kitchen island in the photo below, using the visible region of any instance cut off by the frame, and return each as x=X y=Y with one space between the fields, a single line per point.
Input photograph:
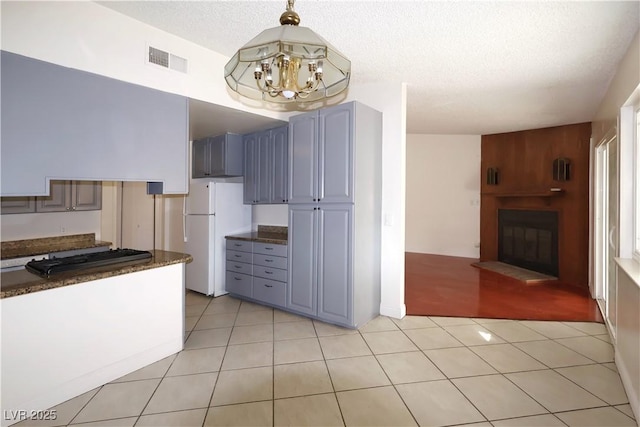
x=64 y=336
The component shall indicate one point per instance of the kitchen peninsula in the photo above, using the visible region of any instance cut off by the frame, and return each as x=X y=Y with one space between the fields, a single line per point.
x=69 y=333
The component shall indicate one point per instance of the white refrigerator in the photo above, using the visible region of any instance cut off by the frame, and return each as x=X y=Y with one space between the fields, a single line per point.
x=212 y=211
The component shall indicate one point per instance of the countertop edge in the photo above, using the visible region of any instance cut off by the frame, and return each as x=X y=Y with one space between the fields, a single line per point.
x=159 y=259
x=247 y=238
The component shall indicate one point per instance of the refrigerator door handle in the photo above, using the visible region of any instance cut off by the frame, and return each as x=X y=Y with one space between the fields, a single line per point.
x=184 y=219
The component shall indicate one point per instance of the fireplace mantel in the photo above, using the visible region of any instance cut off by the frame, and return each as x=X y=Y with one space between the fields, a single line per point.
x=549 y=193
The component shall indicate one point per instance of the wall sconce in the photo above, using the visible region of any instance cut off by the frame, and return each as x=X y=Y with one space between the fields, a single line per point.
x=561 y=169
x=492 y=176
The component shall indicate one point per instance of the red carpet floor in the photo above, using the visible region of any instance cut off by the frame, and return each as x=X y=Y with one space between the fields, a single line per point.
x=437 y=285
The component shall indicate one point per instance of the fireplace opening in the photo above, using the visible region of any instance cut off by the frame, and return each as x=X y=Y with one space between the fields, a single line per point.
x=529 y=239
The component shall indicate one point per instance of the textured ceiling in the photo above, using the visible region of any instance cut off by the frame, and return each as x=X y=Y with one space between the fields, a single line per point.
x=471 y=67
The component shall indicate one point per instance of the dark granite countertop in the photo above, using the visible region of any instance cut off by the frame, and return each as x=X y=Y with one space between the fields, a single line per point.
x=47 y=245
x=22 y=282
x=266 y=234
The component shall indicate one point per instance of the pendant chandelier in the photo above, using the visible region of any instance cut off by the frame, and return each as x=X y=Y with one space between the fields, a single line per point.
x=288 y=63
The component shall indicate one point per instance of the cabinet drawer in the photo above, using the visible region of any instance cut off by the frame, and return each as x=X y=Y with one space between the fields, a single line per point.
x=239 y=256
x=239 y=267
x=270 y=261
x=240 y=245
x=240 y=284
x=270 y=291
x=270 y=273
x=270 y=249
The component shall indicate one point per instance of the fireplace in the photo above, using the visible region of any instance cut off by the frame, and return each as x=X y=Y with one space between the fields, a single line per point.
x=529 y=239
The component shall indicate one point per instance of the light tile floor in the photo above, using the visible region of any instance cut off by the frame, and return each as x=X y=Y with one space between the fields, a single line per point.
x=245 y=364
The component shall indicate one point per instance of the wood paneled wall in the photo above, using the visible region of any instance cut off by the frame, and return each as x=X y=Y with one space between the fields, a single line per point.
x=525 y=163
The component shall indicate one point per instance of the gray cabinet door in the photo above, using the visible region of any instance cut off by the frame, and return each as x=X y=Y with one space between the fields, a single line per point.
x=58 y=200
x=302 y=289
x=335 y=276
x=86 y=195
x=335 y=154
x=264 y=171
x=280 y=143
x=250 y=178
x=303 y=171
x=17 y=205
x=217 y=156
x=200 y=158
x=217 y=153
x=71 y=196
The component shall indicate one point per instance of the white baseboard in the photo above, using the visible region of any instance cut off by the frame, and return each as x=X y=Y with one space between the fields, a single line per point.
x=396 y=312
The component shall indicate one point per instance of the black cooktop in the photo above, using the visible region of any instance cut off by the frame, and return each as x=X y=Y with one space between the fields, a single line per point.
x=47 y=267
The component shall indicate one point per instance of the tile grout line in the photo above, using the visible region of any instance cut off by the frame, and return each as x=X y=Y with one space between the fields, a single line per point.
x=447 y=377
x=324 y=359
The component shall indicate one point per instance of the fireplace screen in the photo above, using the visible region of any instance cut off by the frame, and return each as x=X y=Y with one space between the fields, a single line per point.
x=529 y=239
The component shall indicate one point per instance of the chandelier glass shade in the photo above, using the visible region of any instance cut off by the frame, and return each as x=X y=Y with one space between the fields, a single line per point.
x=288 y=63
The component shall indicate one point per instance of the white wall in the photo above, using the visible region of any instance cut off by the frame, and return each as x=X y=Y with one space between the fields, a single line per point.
x=627 y=351
x=36 y=225
x=269 y=215
x=627 y=344
x=443 y=195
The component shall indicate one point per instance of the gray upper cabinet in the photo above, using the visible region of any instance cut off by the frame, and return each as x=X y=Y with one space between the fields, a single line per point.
x=64 y=196
x=250 y=169
x=17 y=205
x=266 y=166
x=303 y=164
x=217 y=156
x=71 y=196
x=62 y=122
x=280 y=141
x=334 y=216
x=321 y=166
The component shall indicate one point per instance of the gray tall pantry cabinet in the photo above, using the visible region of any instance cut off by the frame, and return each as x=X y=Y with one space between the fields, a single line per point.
x=335 y=185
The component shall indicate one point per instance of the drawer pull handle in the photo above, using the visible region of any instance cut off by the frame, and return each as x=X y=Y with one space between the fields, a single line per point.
x=268 y=249
x=238 y=256
x=238 y=266
x=238 y=278
x=268 y=260
x=237 y=244
x=269 y=286
x=269 y=272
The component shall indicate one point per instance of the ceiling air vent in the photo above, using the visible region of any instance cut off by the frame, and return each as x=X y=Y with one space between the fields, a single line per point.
x=167 y=60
